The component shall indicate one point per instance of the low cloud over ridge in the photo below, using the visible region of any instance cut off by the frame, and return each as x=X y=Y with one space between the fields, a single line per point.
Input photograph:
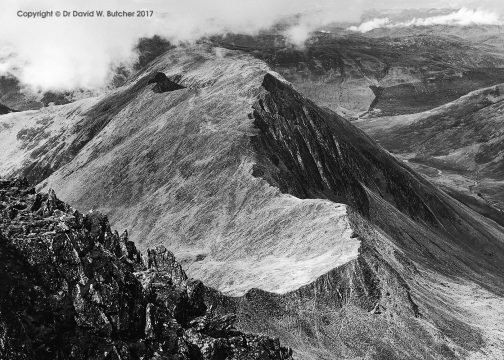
x=459 y=17
x=68 y=53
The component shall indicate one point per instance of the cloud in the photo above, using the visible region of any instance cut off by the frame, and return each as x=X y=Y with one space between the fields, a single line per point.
x=69 y=53
x=297 y=34
x=461 y=17
x=366 y=26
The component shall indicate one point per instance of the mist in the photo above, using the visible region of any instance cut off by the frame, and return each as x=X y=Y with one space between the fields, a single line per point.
x=461 y=17
x=70 y=53
x=63 y=54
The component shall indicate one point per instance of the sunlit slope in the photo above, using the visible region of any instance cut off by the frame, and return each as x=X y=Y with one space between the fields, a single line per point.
x=459 y=146
x=330 y=242
x=176 y=167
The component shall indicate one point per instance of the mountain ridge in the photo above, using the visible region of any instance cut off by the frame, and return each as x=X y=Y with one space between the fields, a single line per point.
x=248 y=181
x=72 y=288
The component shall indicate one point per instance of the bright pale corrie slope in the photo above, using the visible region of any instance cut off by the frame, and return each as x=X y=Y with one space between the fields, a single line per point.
x=176 y=167
x=326 y=240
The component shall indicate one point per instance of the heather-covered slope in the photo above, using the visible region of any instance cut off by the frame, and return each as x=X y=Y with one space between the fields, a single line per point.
x=326 y=239
x=73 y=289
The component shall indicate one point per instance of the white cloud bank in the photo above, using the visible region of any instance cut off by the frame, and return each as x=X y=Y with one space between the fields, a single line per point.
x=69 y=53
x=460 y=17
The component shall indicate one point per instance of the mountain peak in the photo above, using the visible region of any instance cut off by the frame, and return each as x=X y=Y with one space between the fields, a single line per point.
x=163 y=84
x=298 y=217
x=4 y=110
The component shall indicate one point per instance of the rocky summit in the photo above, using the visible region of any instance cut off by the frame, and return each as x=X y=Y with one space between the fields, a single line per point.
x=71 y=288
x=4 y=109
x=299 y=222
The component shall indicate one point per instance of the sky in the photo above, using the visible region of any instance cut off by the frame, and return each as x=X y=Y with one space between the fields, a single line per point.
x=65 y=53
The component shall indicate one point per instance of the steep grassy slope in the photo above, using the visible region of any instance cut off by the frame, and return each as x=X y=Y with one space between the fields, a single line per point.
x=406 y=270
x=323 y=238
x=459 y=146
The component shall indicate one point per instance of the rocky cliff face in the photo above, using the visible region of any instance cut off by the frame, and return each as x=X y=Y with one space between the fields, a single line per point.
x=407 y=228
x=74 y=289
x=313 y=232
x=4 y=109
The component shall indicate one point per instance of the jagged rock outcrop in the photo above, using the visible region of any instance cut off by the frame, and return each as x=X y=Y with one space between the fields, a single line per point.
x=74 y=289
x=322 y=238
x=4 y=109
x=163 y=84
x=56 y=98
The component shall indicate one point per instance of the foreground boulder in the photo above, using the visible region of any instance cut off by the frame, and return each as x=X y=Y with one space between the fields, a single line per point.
x=74 y=289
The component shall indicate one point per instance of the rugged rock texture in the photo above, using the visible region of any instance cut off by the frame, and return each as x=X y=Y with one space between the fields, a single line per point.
x=4 y=109
x=323 y=238
x=185 y=164
x=311 y=153
x=56 y=98
x=73 y=289
x=163 y=84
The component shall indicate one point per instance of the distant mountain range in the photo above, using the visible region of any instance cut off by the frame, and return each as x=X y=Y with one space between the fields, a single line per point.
x=353 y=73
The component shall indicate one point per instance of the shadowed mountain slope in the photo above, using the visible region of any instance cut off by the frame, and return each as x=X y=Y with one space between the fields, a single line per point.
x=177 y=165
x=4 y=109
x=459 y=146
x=320 y=236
